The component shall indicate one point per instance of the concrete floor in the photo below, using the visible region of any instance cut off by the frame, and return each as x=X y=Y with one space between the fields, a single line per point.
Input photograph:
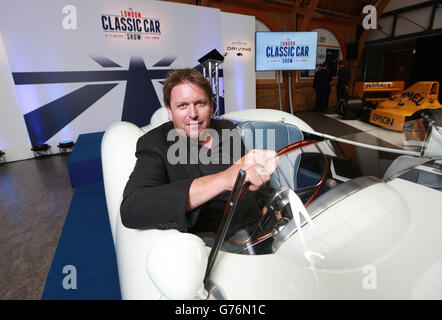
x=34 y=200
x=321 y=123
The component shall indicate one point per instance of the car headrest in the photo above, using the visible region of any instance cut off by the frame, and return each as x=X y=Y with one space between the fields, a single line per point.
x=160 y=116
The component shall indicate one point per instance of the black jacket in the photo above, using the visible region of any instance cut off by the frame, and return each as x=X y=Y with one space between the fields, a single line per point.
x=321 y=81
x=156 y=193
x=343 y=76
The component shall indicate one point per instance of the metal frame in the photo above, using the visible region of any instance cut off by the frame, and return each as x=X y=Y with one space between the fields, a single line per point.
x=209 y=67
x=428 y=31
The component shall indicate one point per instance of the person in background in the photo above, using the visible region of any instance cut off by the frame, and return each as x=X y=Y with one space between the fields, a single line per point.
x=343 y=81
x=321 y=84
x=316 y=87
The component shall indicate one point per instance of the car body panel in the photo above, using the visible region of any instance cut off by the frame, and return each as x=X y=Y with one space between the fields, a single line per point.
x=372 y=246
x=378 y=91
x=380 y=240
x=268 y=115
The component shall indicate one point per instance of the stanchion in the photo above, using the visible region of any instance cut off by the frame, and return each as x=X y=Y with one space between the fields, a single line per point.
x=210 y=64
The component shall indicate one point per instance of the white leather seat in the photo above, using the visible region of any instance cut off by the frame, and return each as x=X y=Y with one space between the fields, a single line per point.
x=118 y=160
x=133 y=246
x=159 y=117
x=274 y=136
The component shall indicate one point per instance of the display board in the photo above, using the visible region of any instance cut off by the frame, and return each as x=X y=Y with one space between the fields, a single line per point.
x=286 y=50
x=79 y=66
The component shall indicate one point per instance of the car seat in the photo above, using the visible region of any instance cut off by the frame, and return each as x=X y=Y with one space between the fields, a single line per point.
x=274 y=136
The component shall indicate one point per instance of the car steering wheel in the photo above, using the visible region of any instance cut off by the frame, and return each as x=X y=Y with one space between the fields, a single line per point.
x=315 y=189
x=278 y=195
x=277 y=199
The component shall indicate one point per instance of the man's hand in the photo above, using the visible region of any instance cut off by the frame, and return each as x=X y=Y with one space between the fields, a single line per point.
x=259 y=166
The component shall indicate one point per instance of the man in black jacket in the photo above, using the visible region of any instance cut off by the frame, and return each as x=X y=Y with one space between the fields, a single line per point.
x=321 y=84
x=343 y=81
x=186 y=167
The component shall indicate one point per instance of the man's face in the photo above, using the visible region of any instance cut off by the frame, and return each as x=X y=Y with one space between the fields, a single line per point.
x=190 y=109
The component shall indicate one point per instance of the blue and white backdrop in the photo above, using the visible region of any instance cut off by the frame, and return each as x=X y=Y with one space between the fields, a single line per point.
x=69 y=67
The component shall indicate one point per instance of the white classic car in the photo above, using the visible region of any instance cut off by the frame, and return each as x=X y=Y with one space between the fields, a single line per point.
x=338 y=223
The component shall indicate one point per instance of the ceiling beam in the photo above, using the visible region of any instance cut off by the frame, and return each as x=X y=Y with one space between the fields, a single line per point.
x=313 y=4
x=354 y=65
x=338 y=14
x=379 y=9
x=411 y=8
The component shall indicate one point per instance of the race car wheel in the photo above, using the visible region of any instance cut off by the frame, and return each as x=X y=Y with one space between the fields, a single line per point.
x=364 y=113
x=348 y=108
x=341 y=106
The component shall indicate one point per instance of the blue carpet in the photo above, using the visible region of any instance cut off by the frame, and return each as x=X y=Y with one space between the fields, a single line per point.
x=84 y=162
x=86 y=244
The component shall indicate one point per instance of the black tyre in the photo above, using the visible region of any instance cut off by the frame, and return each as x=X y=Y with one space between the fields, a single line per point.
x=341 y=107
x=349 y=107
x=364 y=112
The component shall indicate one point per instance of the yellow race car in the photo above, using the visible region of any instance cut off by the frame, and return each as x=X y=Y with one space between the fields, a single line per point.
x=386 y=104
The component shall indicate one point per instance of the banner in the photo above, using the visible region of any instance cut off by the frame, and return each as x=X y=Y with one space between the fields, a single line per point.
x=79 y=66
